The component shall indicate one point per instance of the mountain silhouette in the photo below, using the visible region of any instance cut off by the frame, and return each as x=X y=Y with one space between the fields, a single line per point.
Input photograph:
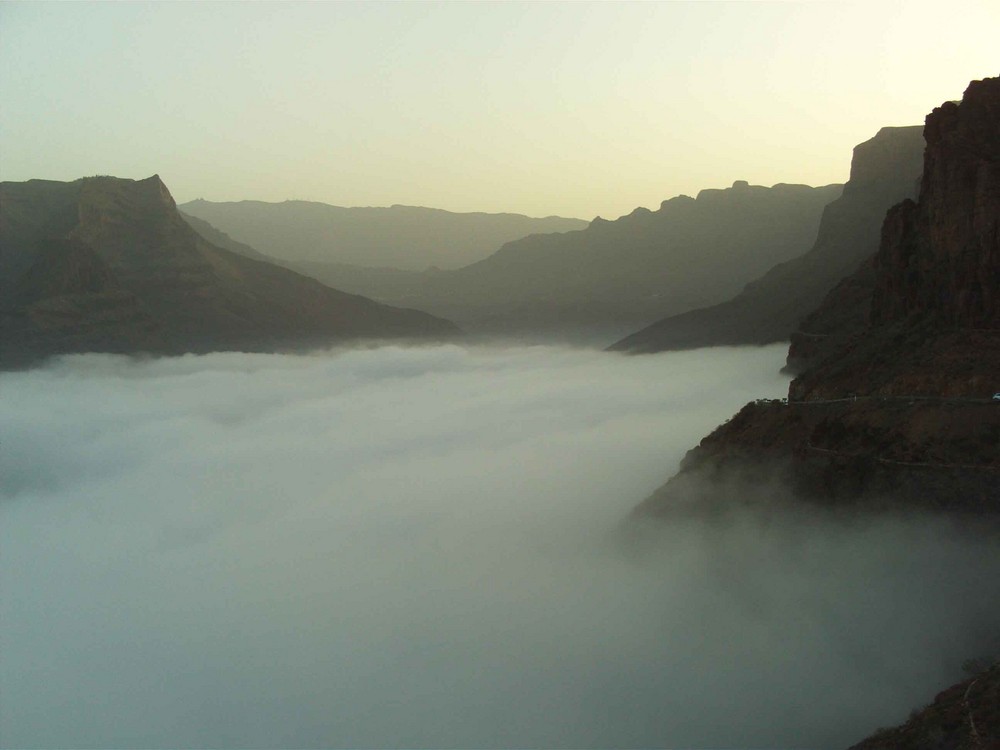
x=108 y=264
x=884 y=171
x=900 y=413
x=613 y=275
x=404 y=237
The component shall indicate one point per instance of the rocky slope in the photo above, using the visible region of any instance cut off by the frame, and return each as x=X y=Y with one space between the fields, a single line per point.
x=107 y=264
x=884 y=171
x=901 y=412
x=403 y=237
x=615 y=275
x=966 y=715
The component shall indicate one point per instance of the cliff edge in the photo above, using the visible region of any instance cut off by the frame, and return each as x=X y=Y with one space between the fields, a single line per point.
x=104 y=264
x=900 y=413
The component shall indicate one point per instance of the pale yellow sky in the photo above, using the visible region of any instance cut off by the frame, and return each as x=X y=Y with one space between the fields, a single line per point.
x=576 y=109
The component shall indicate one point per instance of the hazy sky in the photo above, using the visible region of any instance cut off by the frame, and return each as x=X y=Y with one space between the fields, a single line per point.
x=541 y=108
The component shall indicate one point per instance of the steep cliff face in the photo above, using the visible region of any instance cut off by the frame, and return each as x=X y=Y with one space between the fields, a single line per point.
x=901 y=411
x=884 y=171
x=940 y=257
x=105 y=264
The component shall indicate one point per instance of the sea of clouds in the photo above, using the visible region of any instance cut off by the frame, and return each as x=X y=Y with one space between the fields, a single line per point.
x=415 y=547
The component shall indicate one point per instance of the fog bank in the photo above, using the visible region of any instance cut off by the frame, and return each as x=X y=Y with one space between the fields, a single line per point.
x=423 y=547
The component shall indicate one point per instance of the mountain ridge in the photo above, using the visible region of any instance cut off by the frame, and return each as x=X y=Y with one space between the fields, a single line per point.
x=614 y=274
x=405 y=237
x=884 y=170
x=159 y=287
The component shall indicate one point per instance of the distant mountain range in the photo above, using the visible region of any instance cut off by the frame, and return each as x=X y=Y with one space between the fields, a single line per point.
x=108 y=264
x=402 y=237
x=613 y=275
x=884 y=171
x=677 y=264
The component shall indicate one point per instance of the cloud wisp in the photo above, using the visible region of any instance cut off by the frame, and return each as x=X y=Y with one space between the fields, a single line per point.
x=420 y=547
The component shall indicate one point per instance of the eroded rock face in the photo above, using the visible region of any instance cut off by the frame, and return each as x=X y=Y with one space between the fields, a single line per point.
x=898 y=411
x=70 y=301
x=940 y=256
x=938 y=264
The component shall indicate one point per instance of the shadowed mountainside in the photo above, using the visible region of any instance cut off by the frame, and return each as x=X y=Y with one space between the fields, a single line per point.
x=613 y=275
x=901 y=412
x=966 y=715
x=403 y=237
x=108 y=264
x=884 y=171
x=220 y=239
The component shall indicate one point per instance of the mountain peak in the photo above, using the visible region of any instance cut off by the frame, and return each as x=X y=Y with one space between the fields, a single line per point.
x=891 y=148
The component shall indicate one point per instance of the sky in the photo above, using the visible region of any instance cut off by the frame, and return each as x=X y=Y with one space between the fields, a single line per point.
x=429 y=547
x=574 y=109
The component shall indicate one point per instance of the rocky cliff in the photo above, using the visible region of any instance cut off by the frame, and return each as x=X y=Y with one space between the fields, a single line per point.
x=940 y=257
x=106 y=264
x=884 y=171
x=899 y=413
x=936 y=260
x=966 y=715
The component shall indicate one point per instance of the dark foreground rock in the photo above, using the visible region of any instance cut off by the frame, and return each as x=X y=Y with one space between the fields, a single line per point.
x=966 y=716
x=901 y=412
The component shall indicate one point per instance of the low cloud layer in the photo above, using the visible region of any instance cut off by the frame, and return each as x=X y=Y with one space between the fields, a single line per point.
x=424 y=547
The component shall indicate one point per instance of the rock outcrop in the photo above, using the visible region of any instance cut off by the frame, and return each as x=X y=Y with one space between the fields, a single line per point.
x=107 y=264
x=884 y=171
x=966 y=715
x=900 y=413
x=940 y=257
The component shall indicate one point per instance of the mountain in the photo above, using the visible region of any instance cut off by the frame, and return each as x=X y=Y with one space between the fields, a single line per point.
x=220 y=239
x=901 y=412
x=404 y=237
x=884 y=171
x=108 y=264
x=614 y=275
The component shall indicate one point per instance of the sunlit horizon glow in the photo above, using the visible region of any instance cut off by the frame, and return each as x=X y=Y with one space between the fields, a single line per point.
x=572 y=109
